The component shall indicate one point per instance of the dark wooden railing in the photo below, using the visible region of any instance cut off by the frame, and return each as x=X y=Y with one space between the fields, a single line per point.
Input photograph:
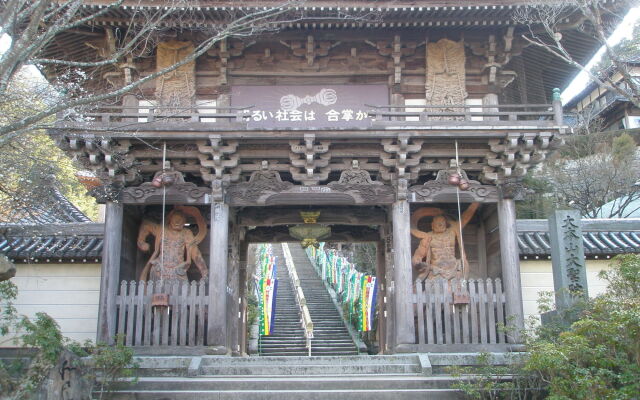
x=464 y=114
x=459 y=312
x=382 y=117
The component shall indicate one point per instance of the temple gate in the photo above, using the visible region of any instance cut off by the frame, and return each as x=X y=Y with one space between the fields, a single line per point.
x=415 y=138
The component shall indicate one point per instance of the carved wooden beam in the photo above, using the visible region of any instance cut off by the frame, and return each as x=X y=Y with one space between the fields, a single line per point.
x=339 y=233
x=274 y=216
x=437 y=192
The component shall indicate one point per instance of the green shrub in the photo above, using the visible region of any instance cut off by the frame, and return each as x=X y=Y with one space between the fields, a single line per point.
x=598 y=357
x=595 y=357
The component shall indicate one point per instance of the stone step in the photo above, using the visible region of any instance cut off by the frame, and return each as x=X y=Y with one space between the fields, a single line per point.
x=271 y=361
x=309 y=370
x=294 y=382
x=330 y=333
x=392 y=394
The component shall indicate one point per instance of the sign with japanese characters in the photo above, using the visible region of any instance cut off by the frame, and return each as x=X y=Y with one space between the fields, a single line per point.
x=309 y=106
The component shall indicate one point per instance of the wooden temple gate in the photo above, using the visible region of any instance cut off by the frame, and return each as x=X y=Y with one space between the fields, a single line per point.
x=365 y=126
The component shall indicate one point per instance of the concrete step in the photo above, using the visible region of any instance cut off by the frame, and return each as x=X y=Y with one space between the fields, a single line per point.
x=309 y=370
x=295 y=382
x=328 y=394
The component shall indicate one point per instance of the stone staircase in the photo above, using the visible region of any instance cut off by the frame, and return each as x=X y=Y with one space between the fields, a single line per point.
x=390 y=377
x=331 y=336
x=287 y=336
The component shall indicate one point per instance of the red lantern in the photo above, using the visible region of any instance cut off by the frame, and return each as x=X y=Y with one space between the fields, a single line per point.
x=454 y=179
x=157 y=181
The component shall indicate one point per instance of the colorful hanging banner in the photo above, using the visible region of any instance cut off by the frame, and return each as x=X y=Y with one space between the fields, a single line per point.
x=266 y=287
x=353 y=288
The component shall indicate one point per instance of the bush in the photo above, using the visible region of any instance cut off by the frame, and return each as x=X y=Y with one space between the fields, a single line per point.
x=21 y=378
x=598 y=357
x=595 y=357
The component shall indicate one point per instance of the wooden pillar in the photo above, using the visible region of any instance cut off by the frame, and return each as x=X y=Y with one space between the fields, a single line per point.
x=382 y=294
x=491 y=99
x=217 y=318
x=242 y=278
x=402 y=273
x=233 y=283
x=110 y=273
x=510 y=266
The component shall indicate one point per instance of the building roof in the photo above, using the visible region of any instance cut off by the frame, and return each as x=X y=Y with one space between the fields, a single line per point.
x=83 y=242
x=56 y=210
x=601 y=237
x=75 y=242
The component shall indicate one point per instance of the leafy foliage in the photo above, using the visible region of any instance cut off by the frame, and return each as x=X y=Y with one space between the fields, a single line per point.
x=20 y=378
x=32 y=166
x=596 y=357
x=595 y=168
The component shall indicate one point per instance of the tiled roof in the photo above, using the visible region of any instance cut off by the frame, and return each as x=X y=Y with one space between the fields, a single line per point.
x=56 y=210
x=82 y=242
x=52 y=243
x=600 y=237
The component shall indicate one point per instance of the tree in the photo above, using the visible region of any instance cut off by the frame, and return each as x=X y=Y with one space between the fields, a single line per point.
x=33 y=168
x=596 y=168
x=547 y=19
x=34 y=24
x=83 y=79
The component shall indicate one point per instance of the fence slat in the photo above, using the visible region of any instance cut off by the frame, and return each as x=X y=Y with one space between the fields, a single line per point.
x=139 y=313
x=174 y=302
x=130 y=304
x=165 y=316
x=201 y=314
x=419 y=309
x=473 y=309
x=447 y=302
x=429 y=298
x=464 y=290
x=184 y=293
x=192 y=314
x=500 y=311
x=148 y=317
x=482 y=303
x=455 y=289
x=121 y=301
x=438 y=310
x=157 y=317
x=491 y=311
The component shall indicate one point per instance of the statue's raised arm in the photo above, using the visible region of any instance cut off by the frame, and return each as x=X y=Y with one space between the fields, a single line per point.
x=468 y=214
x=200 y=221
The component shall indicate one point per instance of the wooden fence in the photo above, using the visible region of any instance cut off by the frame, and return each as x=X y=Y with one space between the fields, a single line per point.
x=459 y=312
x=182 y=322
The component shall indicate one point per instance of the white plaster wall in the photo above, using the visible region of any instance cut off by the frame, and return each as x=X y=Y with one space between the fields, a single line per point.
x=67 y=292
x=537 y=277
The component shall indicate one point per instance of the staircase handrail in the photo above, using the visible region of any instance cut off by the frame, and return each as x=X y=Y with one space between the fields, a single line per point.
x=307 y=323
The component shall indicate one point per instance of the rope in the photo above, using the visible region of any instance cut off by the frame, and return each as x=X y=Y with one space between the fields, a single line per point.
x=462 y=255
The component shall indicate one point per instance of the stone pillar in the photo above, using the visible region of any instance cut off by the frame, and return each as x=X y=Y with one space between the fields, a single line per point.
x=218 y=259
x=402 y=275
x=110 y=274
x=510 y=266
x=567 y=258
